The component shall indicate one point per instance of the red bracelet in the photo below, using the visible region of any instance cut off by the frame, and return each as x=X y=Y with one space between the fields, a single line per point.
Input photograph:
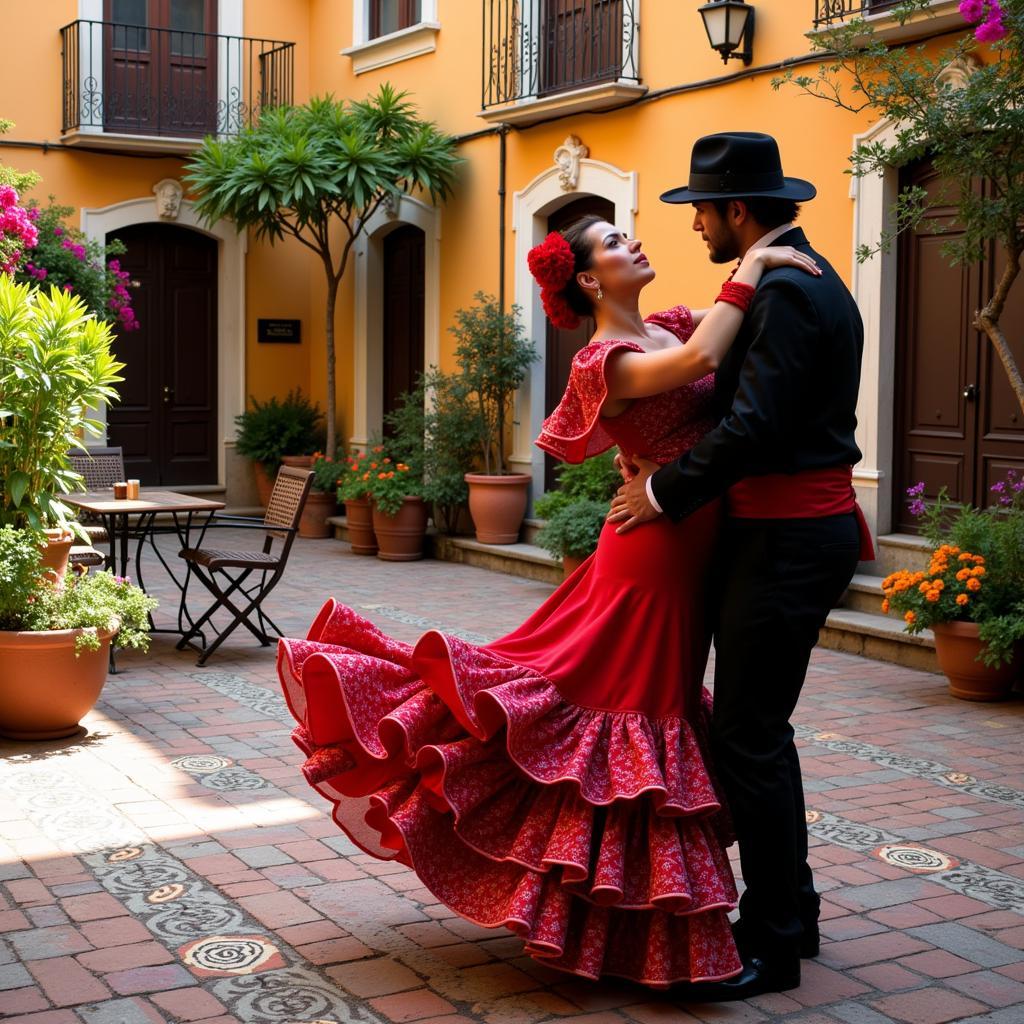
x=740 y=295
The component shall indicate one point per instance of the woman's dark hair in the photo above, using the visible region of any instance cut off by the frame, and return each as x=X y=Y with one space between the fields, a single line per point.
x=583 y=254
x=768 y=212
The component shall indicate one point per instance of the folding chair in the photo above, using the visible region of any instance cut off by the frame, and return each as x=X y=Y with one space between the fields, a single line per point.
x=225 y=572
x=100 y=468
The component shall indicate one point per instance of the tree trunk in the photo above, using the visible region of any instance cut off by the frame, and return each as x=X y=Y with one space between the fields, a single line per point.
x=987 y=320
x=332 y=296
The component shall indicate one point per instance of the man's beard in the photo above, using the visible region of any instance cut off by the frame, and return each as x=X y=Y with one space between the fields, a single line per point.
x=724 y=250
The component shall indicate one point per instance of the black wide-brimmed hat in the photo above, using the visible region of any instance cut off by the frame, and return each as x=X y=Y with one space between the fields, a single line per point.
x=734 y=165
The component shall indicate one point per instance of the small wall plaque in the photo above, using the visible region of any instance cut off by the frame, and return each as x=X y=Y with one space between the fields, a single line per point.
x=287 y=331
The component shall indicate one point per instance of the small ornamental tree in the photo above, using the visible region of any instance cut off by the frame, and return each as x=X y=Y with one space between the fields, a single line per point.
x=318 y=173
x=971 y=123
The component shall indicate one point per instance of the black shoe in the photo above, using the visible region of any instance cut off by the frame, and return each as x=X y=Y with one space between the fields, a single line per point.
x=756 y=978
x=810 y=941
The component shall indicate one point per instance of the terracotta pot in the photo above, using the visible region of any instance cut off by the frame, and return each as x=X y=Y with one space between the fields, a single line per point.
x=44 y=688
x=313 y=522
x=359 y=515
x=55 y=552
x=957 y=646
x=497 y=505
x=400 y=537
x=570 y=563
x=264 y=483
x=298 y=461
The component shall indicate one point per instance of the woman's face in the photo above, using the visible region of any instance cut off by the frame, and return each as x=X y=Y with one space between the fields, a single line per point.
x=618 y=263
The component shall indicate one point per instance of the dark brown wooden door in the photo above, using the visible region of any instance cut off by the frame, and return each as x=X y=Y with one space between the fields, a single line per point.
x=958 y=424
x=582 y=43
x=166 y=420
x=160 y=66
x=562 y=345
x=403 y=312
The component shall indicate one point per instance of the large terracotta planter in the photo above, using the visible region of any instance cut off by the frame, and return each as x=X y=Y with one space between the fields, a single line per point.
x=400 y=537
x=298 y=461
x=957 y=646
x=264 y=483
x=497 y=505
x=570 y=563
x=44 y=688
x=313 y=522
x=55 y=552
x=359 y=516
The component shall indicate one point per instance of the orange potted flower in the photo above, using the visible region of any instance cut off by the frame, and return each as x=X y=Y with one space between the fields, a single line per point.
x=399 y=512
x=353 y=489
x=972 y=594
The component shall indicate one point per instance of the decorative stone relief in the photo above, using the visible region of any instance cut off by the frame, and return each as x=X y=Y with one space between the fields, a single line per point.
x=168 y=198
x=956 y=73
x=567 y=160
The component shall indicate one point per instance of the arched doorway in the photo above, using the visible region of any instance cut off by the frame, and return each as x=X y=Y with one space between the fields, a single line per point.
x=560 y=344
x=166 y=419
x=958 y=424
x=402 y=315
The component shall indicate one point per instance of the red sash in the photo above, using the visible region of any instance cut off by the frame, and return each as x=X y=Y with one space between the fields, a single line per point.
x=807 y=495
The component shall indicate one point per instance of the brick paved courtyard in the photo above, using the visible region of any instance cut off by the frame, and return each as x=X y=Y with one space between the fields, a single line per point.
x=171 y=865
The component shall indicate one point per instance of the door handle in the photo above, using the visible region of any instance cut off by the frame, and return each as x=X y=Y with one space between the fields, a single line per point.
x=169 y=391
x=970 y=392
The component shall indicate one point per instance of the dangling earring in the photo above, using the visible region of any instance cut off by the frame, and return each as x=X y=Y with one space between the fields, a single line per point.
x=600 y=294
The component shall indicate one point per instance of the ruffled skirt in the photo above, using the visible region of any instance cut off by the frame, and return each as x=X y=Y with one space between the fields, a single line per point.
x=571 y=805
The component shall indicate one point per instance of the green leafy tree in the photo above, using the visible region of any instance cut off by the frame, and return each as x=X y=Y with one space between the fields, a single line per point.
x=305 y=172
x=971 y=124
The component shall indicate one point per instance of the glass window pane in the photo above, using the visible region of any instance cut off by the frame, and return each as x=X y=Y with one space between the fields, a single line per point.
x=391 y=15
x=188 y=22
x=130 y=12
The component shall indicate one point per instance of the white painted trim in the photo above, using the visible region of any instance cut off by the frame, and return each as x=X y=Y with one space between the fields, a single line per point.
x=531 y=207
x=368 y=320
x=874 y=289
x=98 y=223
x=361 y=20
x=414 y=41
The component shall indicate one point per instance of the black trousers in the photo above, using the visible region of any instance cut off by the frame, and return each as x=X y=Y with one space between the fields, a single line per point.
x=779 y=579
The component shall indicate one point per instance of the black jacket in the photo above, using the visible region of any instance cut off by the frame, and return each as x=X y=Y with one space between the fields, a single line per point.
x=787 y=389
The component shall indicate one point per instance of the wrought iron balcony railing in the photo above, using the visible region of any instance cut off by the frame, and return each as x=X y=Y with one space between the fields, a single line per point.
x=141 y=80
x=830 y=12
x=536 y=48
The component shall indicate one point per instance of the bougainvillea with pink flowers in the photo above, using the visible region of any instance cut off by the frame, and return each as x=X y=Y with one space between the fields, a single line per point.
x=988 y=16
x=63 y=256
x=17 y=229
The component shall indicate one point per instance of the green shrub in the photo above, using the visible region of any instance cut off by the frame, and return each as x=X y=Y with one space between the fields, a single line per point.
x=275 y=428
x=576 y=511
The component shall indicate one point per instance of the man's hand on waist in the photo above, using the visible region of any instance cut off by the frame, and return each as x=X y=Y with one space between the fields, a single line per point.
x=632 y=504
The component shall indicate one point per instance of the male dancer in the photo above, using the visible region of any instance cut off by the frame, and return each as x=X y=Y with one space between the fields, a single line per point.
x=783 y=454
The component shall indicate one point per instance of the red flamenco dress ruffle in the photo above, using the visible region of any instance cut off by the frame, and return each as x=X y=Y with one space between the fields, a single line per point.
x=596 y=835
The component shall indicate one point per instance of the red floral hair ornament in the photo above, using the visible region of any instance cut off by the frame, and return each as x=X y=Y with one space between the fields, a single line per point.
x=557 y=307
x=552 y=262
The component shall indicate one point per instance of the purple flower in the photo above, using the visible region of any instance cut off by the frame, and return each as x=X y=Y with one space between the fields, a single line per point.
x=917 y=508
x=972 y=10
x=999 y=487
x=58 y=231
x=917 y=491
x=991 y=31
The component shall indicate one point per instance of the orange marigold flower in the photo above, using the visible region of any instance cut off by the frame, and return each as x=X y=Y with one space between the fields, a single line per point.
x=381 y=476
x=963 y=574
x=386 y=461
x=909 y=618
x=979 y=559
x=978 y=570
x=885 y=606
x=391 y=474
x=939 y=584
x=924 y=587
x=932 y=596
x=973 y=584
x=965 y=557
x=366 y=476
x=962 y=599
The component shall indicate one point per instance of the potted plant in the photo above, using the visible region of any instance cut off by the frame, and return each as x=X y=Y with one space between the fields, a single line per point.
x=972 y=594
x=576 y=511
x=493 y=358
x=55 y=366
x=399 y=512
x=353 y=487
x=275 y=432
x=322 y=500
x=55 y=639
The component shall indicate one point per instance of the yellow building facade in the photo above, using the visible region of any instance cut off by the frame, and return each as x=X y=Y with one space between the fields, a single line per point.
x=557 y=104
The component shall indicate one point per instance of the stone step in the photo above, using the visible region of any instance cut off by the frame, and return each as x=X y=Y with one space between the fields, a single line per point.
x=864 y=594
x=880 y=637
x=900 y=551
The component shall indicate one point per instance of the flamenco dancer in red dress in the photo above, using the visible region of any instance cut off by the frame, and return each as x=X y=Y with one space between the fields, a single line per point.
x=554 y=781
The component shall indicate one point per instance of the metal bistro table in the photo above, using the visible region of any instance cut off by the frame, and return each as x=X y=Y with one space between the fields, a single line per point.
x=184 y=509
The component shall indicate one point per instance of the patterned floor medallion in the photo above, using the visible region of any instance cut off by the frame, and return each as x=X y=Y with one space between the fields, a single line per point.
x=165 y=893
x=918 y=859
x=813 y=817
x=200 y=764
x=129 y=853
x=222 y=955
x=960 y=778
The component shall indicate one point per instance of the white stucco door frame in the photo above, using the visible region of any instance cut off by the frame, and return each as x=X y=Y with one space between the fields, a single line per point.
x=231 y=248
x=368 y=321
x=874 y=288
x=531 y=208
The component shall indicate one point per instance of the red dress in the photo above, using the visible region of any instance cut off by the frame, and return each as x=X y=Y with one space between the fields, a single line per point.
x=553 y=781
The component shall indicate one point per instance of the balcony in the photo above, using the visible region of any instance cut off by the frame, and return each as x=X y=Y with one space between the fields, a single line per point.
x=940 y=16
x=543 y=58
x=138 y=87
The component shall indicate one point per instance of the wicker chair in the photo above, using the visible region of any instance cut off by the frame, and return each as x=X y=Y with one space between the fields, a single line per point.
x=234 y=567
x=100 y=468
